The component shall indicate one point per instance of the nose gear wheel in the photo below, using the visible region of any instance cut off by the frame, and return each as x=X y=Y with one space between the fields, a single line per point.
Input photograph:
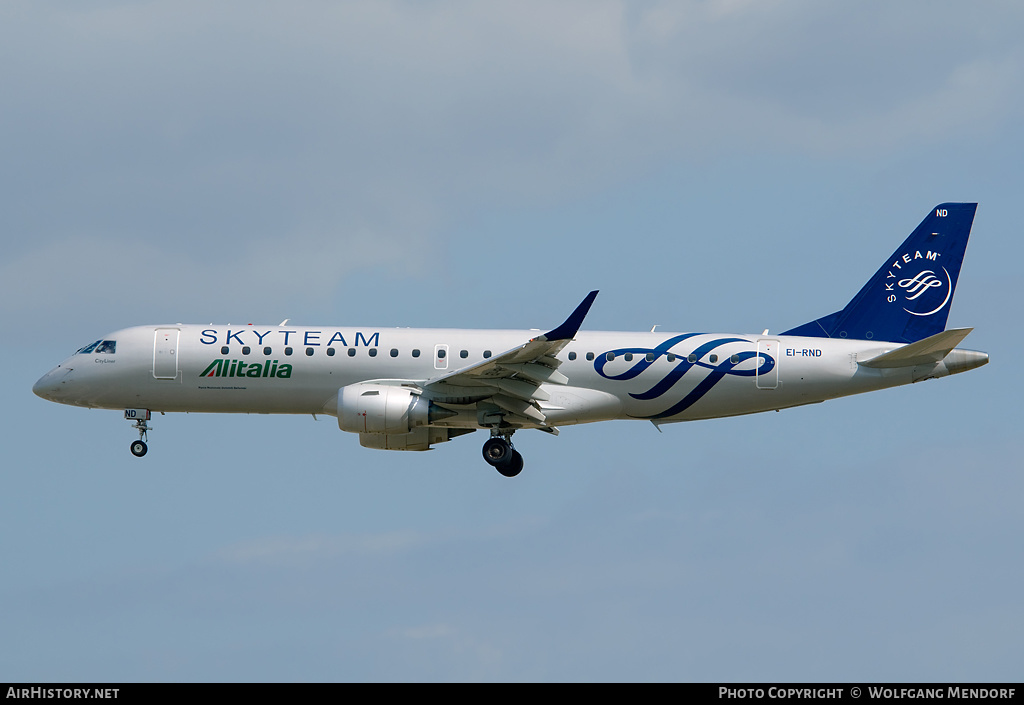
x=139 y=447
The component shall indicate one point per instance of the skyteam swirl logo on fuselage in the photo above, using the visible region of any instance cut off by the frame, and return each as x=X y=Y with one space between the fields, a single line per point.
x=717 y=370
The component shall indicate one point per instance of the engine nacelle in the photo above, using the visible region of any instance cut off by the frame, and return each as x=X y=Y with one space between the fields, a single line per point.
x=380 y=408
x=419 y=439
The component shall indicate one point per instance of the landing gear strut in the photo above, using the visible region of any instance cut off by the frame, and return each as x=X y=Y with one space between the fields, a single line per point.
x=140 y=417
x=498 y=451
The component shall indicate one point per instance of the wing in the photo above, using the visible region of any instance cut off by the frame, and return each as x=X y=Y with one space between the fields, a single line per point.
x=505 y=389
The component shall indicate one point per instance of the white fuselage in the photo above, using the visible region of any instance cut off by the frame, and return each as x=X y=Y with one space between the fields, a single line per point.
x=663 y=377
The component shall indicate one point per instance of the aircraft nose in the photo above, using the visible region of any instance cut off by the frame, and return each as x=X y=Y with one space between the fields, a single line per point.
x=50 y=385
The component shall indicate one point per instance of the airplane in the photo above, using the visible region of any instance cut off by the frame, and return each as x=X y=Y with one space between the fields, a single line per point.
x=410 y=389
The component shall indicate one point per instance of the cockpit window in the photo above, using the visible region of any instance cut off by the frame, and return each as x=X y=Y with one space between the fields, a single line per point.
x=100 y=346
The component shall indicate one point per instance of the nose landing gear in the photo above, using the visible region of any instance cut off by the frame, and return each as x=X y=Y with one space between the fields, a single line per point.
x=140 y=417
x=500 y=454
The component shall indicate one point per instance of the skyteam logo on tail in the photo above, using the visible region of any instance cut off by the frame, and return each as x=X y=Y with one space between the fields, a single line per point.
x=925 y=285
x=909 y=296
x=920 y=284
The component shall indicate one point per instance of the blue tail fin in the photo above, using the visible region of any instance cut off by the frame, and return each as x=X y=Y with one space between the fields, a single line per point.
x=908 y=299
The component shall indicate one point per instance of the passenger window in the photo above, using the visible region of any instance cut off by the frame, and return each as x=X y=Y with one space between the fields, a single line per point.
x=309 y=352
x=714 y=358
x=629 y=357
x=416 y=352
x=670 y=357
x=609 y=356
x=331 y=352
x=267 y=352
x=590 y=356
x=287 y=351
x=441 y=352
x=351 y=352
x=246 y=349
x=734 y=359
x=394 y=352
x=691 y=358
x=650 y=357
x=373 y=352
x=224 y=350
x=487 y=353
x=464 y=354
x=572 y=356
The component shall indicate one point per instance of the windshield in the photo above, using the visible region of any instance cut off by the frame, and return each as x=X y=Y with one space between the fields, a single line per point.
x=100 y=346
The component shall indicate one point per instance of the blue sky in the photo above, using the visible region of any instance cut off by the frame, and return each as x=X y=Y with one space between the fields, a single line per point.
x=710 y=166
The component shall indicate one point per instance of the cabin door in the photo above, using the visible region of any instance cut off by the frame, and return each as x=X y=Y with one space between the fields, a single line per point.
x=165 y=353
x=767 y=375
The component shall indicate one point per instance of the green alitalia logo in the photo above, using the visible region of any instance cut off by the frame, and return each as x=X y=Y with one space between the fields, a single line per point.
x=240 y=368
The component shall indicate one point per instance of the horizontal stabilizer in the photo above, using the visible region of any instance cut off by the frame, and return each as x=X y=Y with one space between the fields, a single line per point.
x=923 y=352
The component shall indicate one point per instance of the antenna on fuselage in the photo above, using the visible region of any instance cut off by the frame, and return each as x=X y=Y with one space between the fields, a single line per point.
x=285 y=321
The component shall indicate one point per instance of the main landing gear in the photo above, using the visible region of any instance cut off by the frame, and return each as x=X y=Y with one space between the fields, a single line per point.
x=498 y=451
x=140 y=417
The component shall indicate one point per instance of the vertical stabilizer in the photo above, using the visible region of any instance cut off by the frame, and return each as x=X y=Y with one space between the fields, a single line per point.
x=909 y=297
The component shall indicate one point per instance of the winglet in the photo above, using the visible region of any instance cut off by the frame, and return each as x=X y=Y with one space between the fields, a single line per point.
x=572 y=324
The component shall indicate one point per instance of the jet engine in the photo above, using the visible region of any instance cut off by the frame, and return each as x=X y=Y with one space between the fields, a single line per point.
x=380 y=408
